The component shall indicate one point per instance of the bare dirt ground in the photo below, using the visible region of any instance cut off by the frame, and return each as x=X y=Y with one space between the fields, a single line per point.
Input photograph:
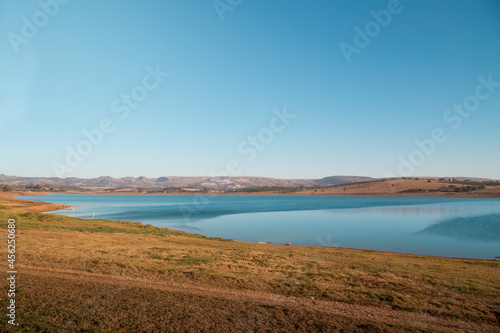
x=142 y=305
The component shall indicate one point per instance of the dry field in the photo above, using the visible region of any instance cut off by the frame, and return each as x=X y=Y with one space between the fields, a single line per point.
x=78 y=275
x=397 y=187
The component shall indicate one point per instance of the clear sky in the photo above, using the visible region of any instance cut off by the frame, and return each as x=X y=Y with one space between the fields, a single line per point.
x=363 y=81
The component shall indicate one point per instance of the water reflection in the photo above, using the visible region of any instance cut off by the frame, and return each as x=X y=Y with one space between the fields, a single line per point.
x=409 y=210
x=476 y=228
x=454 y=227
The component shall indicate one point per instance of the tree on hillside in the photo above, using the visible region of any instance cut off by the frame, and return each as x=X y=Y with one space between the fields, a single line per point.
x=6 y=188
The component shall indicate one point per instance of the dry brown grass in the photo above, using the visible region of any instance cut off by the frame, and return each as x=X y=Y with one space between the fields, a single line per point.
x=26 y=205
x=396 y=187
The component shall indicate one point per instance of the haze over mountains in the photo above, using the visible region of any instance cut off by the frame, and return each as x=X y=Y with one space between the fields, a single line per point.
x=222 y=183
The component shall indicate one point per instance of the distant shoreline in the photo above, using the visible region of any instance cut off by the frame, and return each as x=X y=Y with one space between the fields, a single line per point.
x=445 y=195
x=388 y=188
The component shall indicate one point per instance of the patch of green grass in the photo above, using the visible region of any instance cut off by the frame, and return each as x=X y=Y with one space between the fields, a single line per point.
x=193 y=261
x=155 y=256
x=4 y=207
x=260 y=261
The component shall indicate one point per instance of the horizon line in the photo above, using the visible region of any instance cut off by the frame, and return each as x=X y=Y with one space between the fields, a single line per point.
x=208 y=176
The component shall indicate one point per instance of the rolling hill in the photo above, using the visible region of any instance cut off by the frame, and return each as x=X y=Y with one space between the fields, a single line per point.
x=223 y=183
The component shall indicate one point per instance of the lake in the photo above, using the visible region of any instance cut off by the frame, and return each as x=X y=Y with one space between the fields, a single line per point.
x=439 y=226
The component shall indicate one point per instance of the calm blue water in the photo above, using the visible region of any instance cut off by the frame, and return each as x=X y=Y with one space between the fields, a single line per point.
x=452 y=227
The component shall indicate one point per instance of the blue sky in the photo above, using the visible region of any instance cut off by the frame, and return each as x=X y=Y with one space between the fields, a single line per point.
x=225 y=78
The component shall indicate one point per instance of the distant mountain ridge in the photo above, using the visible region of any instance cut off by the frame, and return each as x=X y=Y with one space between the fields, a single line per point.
x=219 y=183
x=222 y=183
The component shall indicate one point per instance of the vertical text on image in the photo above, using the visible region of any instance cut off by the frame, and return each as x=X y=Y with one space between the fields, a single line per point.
x=11 y=272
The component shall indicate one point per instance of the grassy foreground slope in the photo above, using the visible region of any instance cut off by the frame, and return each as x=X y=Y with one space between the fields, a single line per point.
x=105 y=276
